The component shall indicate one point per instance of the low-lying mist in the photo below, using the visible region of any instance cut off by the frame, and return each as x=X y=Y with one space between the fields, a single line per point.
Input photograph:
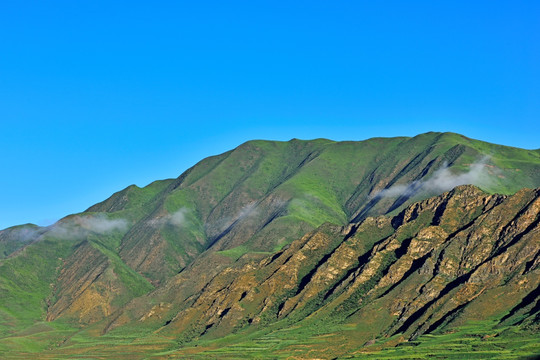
x=442 y=180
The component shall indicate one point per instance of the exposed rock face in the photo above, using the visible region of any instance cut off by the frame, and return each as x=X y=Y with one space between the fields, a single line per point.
x=462 y=255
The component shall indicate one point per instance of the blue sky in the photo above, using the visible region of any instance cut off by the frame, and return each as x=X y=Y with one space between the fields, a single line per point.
x=97 y=95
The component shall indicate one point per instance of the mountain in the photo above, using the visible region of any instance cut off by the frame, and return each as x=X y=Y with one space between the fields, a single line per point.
x=462 y=256
x=272 y=241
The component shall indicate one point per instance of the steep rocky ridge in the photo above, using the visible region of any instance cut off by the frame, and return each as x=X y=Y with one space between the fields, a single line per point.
x=435 y=265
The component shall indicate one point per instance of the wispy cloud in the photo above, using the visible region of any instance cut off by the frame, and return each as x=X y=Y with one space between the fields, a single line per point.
x=247 y=211
x=80 y=226
x=22 y=233
x=177 y=218
x=442 y=180
x=75 y=228
x=101 y=224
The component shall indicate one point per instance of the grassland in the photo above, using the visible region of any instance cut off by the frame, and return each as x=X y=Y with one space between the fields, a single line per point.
x=475 y=340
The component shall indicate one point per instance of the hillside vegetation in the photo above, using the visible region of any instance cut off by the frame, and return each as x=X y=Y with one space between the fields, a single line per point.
x=282 y=248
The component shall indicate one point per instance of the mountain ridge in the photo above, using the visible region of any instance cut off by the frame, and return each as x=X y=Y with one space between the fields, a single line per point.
x=167 y=242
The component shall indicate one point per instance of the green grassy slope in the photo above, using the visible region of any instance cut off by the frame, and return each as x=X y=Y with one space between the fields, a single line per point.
x=453 y=276
x=26 y=283
x=263 y=187
x=226 y=210
x=17 y=237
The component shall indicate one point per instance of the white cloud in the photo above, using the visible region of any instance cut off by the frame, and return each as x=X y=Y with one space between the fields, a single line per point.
x=23 y=234
x=101 y=224
x=247 y=211
x=80 y=226
x=442 y=180
x=177 y=218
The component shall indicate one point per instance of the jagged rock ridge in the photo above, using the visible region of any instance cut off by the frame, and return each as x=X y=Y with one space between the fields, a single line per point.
x=436 y=264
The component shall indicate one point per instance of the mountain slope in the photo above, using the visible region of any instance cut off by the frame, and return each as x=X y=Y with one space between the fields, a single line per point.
x=261 y=188
x=438 y=262
x=160 y=248
x=464 y=257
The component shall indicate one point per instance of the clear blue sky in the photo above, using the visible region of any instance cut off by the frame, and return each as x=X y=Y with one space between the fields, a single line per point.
x=97 y=95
